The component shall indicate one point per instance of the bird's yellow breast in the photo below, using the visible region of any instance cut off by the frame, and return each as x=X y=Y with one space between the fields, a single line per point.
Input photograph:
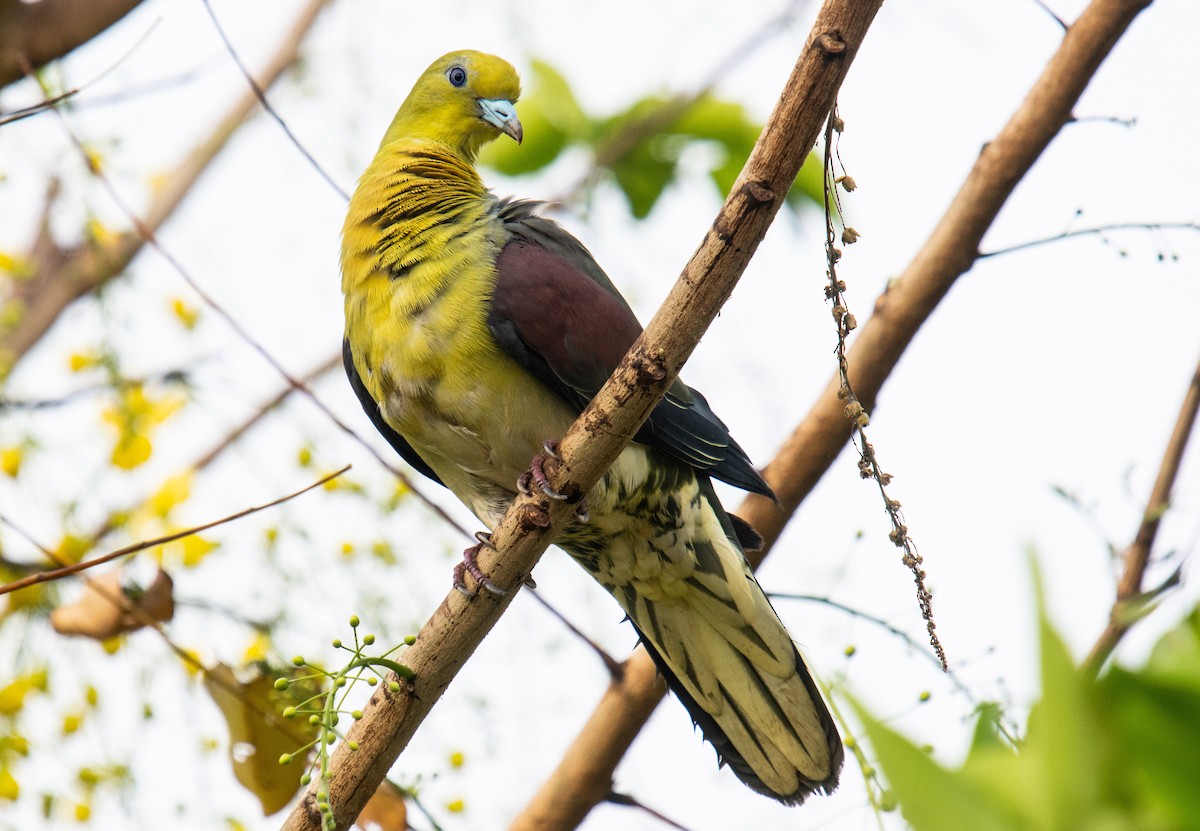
x=418 y=270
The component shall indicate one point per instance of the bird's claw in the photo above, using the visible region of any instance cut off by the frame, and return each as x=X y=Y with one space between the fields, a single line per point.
x=537 y=475
x=470 y=565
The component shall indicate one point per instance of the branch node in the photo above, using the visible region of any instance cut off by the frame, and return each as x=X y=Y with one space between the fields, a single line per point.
x=533 y=516
x=650 y=368
x=831 y=43
x=759 y=192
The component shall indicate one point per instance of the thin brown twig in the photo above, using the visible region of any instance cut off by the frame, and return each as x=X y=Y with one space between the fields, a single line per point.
x=128 y=606
x=266 y=105
x=1098 y=230
x=54 y=100
x=33 y=34
x=1041 y=4
x=630 y=802
x=170 y=376
x=611 y=664
x=75 y=568
x=1136 y=557
x=264 y=409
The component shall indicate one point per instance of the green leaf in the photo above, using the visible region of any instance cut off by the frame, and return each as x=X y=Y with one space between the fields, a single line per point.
x=1118 y=753
x=1177 y=653
x=643 y=174
x=1064 y=731
x=987 y=735
x=809 y=186
x=932 y=797
x=1155 y=730
x=551 y=118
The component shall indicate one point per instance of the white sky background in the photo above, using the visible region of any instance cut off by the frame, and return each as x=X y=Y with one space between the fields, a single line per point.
x=1062 y=365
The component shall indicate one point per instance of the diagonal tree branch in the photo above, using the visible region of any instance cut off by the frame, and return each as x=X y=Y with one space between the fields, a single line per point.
x=33 y=34
x=60 y=275
x=584 y=777
x=1137 y=556
x=606 y=426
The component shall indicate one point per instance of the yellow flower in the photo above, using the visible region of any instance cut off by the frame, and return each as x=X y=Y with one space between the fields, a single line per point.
x=72 y=548
x=12 y=697
x=113 y=645
x=135 y=416
x=188 y=315
x=71 y=723
x=259 y=646
x=195 y=549
x=99 y=233
x=186 y=552
x=130 y=451
x=79 y=361
x=173 y=492
x=9 y=789
x=10 y=460
x=15 y=265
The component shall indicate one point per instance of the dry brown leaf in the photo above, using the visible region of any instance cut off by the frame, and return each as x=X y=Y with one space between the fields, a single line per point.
x=99 y=613
x=385 y=811
x=259 y=735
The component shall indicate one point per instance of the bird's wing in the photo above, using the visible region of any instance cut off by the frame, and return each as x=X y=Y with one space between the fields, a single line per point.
x=556 y=312
x=371 y=408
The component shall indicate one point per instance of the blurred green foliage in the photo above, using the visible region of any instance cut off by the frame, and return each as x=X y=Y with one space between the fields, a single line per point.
x=641 y=146
x=1120 y=752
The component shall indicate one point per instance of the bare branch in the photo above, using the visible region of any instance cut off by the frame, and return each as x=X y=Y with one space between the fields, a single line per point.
x=606 y=426
x=75 y=568
x=266 y=105
x=33 y=34
x=1099 y=230
x=585 y=774
x=1137 y=556
x=50 y=102
x=126 y=604
x=62 y=275
x=610 y=663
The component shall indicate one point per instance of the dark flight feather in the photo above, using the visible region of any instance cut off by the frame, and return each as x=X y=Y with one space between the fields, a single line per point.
x=558 y=315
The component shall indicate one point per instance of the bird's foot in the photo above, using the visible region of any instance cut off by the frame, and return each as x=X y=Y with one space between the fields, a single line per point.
x=536 y=475
x=470 y=565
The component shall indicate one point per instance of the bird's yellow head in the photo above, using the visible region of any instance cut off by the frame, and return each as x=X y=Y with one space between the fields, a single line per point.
x=464 y=100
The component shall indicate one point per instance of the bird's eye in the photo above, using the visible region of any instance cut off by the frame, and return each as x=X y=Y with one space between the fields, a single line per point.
x=457 y=76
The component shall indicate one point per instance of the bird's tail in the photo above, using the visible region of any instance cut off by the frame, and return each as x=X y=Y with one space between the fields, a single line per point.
x=726 y=655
